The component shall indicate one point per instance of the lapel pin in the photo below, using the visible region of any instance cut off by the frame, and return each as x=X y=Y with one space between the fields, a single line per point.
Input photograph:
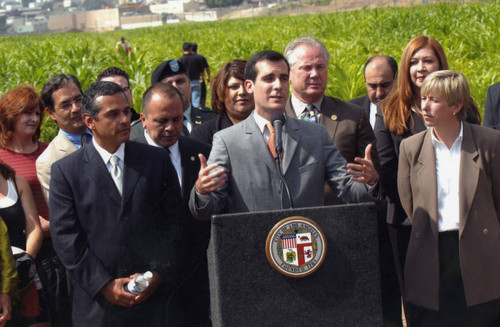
x=193 y=158
x=334 y=117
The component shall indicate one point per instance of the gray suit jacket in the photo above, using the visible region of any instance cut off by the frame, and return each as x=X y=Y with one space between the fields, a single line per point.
x=310 y=159
x=59 y=148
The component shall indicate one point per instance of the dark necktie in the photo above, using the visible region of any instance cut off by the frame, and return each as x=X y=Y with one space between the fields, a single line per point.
x=185 y=130
x=85 y=137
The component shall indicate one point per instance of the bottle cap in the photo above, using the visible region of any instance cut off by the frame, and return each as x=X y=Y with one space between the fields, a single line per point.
x=148 y=275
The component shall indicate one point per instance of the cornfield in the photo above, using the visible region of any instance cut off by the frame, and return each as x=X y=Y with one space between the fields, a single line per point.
x=469 y=33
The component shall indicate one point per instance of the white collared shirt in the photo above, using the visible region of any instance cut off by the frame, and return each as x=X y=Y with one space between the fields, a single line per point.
x=448 y=172
x=175 y=155
x=187 y=119
x=373 y=113
x=299 y=106
x=106 y=156
x=262 y=122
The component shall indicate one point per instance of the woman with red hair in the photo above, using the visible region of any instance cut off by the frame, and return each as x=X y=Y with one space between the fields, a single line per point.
x=21 y=115
x=401 y=117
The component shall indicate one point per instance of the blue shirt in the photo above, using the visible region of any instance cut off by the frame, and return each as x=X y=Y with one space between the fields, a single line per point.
x=76 y=139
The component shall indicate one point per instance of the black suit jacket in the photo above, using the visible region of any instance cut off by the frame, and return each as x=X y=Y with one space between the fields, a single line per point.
x=363 y=102
x=200 y=116
x=205 y=132
x=100 y=235
x=492 y=107
x=388 y=150
x=191 y=302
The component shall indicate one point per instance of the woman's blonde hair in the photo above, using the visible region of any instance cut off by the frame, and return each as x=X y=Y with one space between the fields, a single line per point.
x=452 y=86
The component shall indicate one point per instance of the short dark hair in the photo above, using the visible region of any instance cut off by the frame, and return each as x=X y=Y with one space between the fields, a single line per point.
x=194 y=47
x=187 y=46
x=270 y=55
x=234 y=68
x=165 y=89
x=113 y=71
x=55 y=83
x=97 y=89
x=390 y=61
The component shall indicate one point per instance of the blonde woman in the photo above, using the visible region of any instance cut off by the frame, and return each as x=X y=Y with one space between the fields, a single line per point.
x=449 y=186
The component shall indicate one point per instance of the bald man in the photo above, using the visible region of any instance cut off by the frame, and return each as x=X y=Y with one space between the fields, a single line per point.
x=380 y=73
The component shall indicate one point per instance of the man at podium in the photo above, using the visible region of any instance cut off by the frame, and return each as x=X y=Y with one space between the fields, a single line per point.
x=244 y=174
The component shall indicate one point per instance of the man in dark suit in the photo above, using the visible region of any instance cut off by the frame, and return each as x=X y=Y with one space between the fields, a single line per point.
x=162 y=108
x=492 y=107
x=380 y=73
x=346 y=124
x=249 y=180
x=113 y=214
x=174 y=72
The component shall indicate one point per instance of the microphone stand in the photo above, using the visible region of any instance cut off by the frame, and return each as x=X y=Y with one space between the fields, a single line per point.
x=277 y=160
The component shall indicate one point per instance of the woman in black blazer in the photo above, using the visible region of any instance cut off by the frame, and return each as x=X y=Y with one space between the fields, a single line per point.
x=400 y=117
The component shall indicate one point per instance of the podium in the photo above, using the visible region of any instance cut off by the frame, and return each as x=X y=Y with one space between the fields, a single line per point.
x=247 y=291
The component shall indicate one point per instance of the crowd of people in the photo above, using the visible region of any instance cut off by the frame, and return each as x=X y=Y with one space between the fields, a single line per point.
x=117 y=193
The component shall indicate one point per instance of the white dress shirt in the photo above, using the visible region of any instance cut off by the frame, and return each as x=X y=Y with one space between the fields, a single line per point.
x=373 y=113
x=187 y=119
x=262 y=124
x=175 y=155
x=106 y=156
x=299 y=106
x=448 y=172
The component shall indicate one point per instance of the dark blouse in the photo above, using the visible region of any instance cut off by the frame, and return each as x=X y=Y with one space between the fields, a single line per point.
x=15 y=221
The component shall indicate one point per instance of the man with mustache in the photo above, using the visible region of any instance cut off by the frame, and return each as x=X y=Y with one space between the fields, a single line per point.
x=380 y=73
x=113 y=208
x=162 y=122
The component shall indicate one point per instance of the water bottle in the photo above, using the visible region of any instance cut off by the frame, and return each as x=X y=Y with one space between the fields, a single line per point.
x=139 y=283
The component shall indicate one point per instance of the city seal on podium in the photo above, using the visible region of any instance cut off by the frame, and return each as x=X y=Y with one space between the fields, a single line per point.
x=296 y=247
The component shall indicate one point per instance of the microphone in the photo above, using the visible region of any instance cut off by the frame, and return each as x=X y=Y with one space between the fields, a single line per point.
x=278 y=120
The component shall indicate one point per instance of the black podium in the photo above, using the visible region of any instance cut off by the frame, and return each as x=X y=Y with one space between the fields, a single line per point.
x=247 y=291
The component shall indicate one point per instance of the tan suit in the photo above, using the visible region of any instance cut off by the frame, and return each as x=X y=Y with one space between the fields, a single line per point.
x=479 y=216
x=57 y=149
x=349 y=128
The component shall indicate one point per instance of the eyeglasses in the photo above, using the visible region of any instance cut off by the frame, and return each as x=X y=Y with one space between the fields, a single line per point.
x=125 y=89
x=67 y=105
